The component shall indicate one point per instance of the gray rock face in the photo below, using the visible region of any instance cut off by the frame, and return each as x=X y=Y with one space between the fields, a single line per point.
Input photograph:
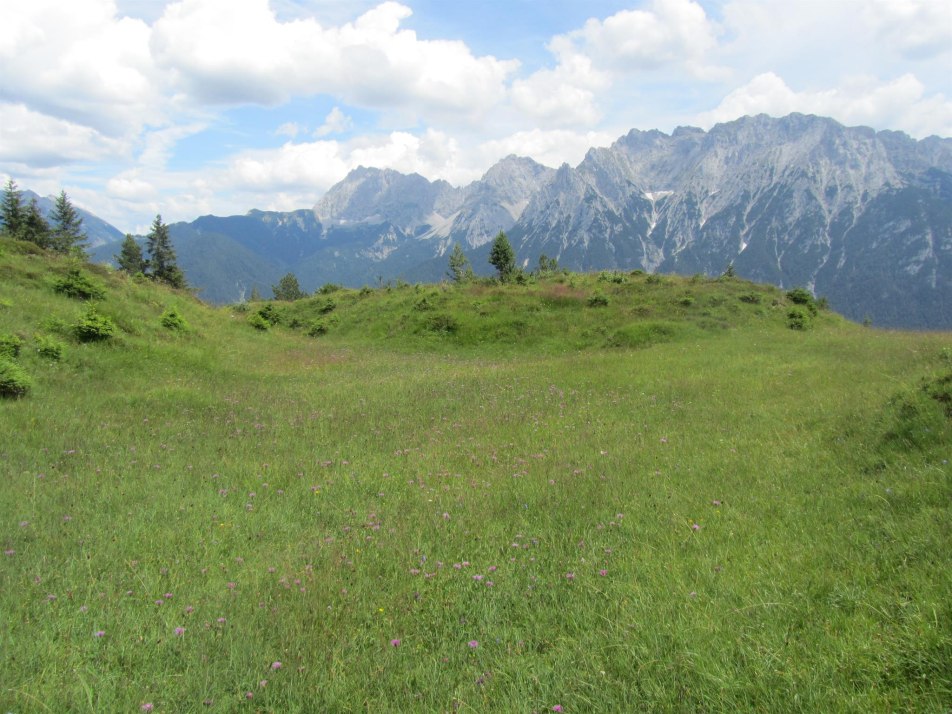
x=858 y=216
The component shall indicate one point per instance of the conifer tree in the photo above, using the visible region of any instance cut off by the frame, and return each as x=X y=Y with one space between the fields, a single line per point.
x=12 y=211
x=288 y=288
x=68 y=234
x=460 y=270
x=34 y=227
x=162 y=262
x=130 y=258
x=502 y=257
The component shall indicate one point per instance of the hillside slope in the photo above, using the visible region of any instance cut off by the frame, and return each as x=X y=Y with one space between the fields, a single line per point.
x=604 y=492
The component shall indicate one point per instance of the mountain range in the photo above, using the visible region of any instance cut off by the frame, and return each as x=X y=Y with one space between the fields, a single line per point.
x=861 y=217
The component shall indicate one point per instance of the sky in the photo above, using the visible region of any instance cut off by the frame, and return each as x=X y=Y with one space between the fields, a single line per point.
x=189 y=107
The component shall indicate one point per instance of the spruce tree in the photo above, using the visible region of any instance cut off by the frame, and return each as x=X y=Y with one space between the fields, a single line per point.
x=68 y=233
x=130 y=258
x=12 y=211
x=502 y=257
x=288 y=288
x=162 y=262
x=460 y=269
x=33 y=226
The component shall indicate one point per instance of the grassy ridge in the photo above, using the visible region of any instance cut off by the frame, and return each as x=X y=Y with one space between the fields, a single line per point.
x=727 y=514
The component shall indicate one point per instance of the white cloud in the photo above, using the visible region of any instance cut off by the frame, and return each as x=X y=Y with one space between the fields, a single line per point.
x=671 y=36
x=38 y=140
x=335 y=123
x=78 y=62
x=917 y=29
x=864 y=101
x=670 y=33
x=237 y=51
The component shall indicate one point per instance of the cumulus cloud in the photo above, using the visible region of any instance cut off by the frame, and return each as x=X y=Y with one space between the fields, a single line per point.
x=237 y=51
x=862 y=100
x=39 y=140
x=78 y=62
x=670 y=35
x=670 y=32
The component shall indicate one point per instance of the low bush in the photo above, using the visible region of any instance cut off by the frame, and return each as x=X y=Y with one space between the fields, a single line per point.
x=798 y=319
x=172 y=320
x=49 y=348
x=442 y=324
x=93 y=327
x=14 y=381
x=802 y=296
x=10 y=346
x=258 y=322
x=76 y=284
x=597 y=300
x=317 y=328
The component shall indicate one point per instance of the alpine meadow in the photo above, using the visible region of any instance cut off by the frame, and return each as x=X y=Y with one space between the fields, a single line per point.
x=574 y=492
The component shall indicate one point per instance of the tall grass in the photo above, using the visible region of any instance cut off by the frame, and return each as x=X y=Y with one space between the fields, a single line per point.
x=729 y=515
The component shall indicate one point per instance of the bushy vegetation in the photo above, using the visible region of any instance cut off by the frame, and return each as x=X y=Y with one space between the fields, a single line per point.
x=508 y=501
x=93 y=326
x=14 y=381
x=76 y=284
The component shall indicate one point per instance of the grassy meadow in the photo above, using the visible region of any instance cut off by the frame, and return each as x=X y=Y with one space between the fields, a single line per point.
x=590 y=493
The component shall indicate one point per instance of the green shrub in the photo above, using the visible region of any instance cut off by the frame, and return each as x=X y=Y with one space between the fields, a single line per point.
x=76 y=284
x=14 y=381
x=750 y=298
x=171 y=320
x=49 y=347
x=797 y=319
x=317 y=328
x=442 y=324
x=270 y=313
x=257 y=321
x=327 y=305
x=611 y=276
x=329 y=288
x=93 y=327
x=653 y=279
x=686 y=301
x=597 y=300
x=802 y=296
x=10 y=346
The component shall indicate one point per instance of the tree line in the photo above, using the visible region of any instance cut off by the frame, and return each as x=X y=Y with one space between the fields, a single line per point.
x=64 y=233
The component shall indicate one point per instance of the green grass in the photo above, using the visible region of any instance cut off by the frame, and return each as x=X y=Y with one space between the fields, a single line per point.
x=682 y=505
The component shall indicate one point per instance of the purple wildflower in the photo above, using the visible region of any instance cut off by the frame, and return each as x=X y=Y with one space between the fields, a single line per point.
x=473 y=644
x=394 y=643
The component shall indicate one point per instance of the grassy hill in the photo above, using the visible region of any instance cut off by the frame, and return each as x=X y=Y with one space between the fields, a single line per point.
x=612 y=492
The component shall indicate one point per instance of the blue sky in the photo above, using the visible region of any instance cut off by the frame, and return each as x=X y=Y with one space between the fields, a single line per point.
x=188 y=107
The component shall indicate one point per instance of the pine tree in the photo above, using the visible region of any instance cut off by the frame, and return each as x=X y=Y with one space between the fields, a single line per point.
x=12 y=211
x=130 y=258
x=460 y=270
x=288 y=288
x=502 y=257
x=68 y=234
x=33 y=226
x=162 y=262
